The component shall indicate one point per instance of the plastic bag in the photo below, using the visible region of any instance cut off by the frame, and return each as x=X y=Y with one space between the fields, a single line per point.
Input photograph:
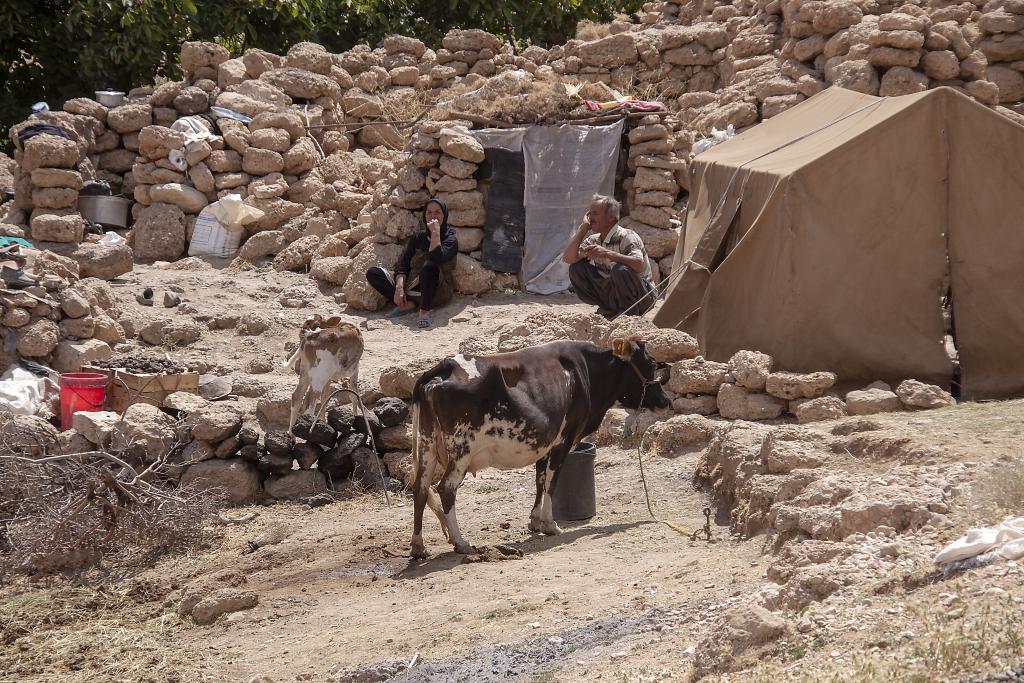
x=717 y=137
x=212 y=238
x=112 y=239
x=21 y=392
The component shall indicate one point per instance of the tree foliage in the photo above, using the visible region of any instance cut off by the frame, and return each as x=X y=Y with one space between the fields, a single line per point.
x=57 y=49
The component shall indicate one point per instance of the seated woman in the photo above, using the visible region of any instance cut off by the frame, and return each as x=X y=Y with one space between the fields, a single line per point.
x=424 y=272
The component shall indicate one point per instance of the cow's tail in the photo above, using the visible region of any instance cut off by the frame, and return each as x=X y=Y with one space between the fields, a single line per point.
x=417 y=459
x=291 y=362
x=441 y=371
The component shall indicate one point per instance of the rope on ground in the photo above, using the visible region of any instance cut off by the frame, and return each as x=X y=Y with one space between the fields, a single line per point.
x=678 y=528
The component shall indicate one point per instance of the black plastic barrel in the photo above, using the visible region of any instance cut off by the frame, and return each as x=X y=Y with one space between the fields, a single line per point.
x=575 y=496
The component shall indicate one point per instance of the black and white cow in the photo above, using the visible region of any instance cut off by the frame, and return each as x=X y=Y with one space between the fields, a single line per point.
x=512 y=410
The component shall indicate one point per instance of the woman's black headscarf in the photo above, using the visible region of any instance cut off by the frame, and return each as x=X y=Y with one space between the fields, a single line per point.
x=444 y=210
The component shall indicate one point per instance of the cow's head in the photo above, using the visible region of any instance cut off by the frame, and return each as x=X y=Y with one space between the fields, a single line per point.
x=641 y=385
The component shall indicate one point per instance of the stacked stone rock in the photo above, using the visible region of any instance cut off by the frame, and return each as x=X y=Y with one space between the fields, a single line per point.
x=64 y=323
x=741 y=62
x=747 y=388
x=442 y=161
x=652 y=191
x=1002 y=44
x=464 y=52
x=50 y=170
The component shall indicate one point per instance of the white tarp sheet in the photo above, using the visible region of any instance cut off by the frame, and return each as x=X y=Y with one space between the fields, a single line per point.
x=1004 y=540
x=565 y=166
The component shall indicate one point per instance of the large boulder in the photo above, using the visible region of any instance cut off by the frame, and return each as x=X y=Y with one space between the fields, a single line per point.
x=678 y=435
x=300 y=84
x=28 y=434
x=197 y=55
x=697 y=376
x=215 y=422
x=610 y=52
x=176 y=332
x=736 y=403
x=159 y=233
x=72 y=356
x=222 y=601
x=470 y=39
x=130 y=118
x=358 y=292
x=185 y=197
x=146 y=432
x=461 y=146
x=261 y=245
x=298 y=254
x=819 y=409
x=49 y=151
x=239 y=480
x=916 y=394
x=54 y=227
x=750 y=369
x=873 y=399
x=103 y=261
x=157 y=142
x=333 y=270
x=470 y=276
x=296 y=484
x=398 y=380
x=792 y=385
x=38 y=339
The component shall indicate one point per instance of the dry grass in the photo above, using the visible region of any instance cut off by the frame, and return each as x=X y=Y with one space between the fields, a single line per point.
x=405 y=105
x=985 y=637
x=591 y=30
x=76 y=634
x=66 y=514
x=512 y=99
x=999 y=491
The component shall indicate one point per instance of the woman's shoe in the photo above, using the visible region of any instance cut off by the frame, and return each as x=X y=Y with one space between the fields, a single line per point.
x=397 y=312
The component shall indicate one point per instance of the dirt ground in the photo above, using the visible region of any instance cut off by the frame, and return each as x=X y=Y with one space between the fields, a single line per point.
x=618 y=597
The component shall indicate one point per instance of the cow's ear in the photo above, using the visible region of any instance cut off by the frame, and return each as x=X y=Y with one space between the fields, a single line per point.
x=622 y=348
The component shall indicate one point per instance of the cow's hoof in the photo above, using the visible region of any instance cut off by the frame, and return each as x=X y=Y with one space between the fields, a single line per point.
x=418 y=552
x=551 y=529
x=465 y=549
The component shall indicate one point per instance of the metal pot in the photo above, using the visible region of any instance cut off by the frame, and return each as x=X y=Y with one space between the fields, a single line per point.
x=110 y=98
x=110 y=212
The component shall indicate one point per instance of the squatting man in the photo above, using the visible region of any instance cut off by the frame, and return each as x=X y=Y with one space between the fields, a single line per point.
x=608 y=265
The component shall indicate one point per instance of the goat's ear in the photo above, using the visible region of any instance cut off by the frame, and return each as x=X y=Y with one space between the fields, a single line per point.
x=333 y=321
x=622 y=348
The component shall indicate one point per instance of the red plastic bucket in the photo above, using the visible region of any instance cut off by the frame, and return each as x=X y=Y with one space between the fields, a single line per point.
x=80 y=392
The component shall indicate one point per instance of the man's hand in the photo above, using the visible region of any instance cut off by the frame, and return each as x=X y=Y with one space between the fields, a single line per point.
x=596 y=251
x=400 y=291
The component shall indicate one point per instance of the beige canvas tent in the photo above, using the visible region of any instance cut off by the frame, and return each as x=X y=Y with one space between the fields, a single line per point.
x=821 y=237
